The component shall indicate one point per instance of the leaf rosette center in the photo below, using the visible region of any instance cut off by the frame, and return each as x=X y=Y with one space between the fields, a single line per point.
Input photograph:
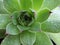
x=24 y=18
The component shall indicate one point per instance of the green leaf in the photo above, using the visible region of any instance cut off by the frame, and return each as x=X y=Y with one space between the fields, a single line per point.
x=12 y=5
x=11 y=40
x=26 y=4
x=27 y=38
x=55 y=37
x=4 y=20
x=22 y=28
x=37 y=4
x=14 y=17
x=43 y=15
x=52 y=24
x=42 y=39
x=2 y=9
x=12 y=29
x=51 y=4
x=35 y=27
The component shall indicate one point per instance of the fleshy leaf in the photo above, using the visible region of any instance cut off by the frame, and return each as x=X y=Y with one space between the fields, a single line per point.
x=26 y=4
x=14 y=17
x=12 y=5
x=27 y=38
x=22 y=28
x=11 y=40
x=55 y=37
x=12 y=29
x=35 y=27
x=2 y=9
x=52 y=24
x=42 y=39
x=43 y=15
x=37 y=4
x=51 y=4
x=4 y=20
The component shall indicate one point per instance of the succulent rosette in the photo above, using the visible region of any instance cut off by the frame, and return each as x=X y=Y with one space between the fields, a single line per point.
x=26 y=22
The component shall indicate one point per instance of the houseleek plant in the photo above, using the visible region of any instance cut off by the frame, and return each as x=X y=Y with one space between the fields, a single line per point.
x=28 y=22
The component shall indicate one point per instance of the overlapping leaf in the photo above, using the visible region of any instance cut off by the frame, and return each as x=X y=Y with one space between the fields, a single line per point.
x=51 y=4
x=12 y=29
x=43 y=15
x=27 y=38
x=42 y=39
x=55 y=37
x=12 y=5
x=2 y=9
x=4 y=20
x=11 y=40
x=52 y=24
x=37 y=4
x=22 y=28
x=26 y=4
x=35 y=27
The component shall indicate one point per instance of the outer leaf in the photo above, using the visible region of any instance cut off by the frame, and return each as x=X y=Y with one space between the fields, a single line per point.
x=2 y=9
x=11 y=40
x=35 y=27
x=27 y=38
x=42 y=39
x=26 y=4
x=12 y=5
x=52 y=24
x=55 y=37
x=4 y=20
x=43 y=15
x=37 y=4
x=51 y=4
x=12 y=29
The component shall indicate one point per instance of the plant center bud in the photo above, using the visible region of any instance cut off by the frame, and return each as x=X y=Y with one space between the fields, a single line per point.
x=25 y=18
